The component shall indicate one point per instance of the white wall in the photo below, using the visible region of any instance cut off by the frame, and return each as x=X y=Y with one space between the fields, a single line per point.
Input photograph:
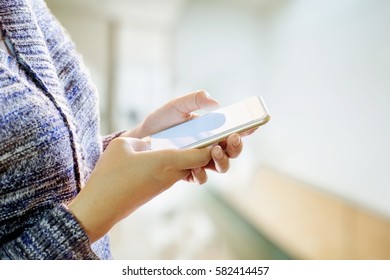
x=143 y=71
x=219 y=47
x=330 y=97
x=323 y=68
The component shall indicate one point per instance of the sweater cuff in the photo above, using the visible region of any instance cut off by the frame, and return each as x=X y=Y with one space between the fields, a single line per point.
x=58 y=235
x=107 y=138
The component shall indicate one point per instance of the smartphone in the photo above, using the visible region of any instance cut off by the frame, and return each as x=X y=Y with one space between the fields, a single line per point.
x=213 y=126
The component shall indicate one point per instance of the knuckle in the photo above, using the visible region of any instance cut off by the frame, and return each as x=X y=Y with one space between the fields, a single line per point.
x=118 y=141
x=205 y=161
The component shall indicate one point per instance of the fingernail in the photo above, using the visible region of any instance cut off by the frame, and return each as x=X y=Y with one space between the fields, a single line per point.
x=219 y=153
x=237 y=141
x=207 y=94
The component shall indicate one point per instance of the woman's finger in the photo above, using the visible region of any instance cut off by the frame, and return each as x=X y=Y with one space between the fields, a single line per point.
x=194 y=101
x=233 y=146
x=199 y=175
x=221 y=160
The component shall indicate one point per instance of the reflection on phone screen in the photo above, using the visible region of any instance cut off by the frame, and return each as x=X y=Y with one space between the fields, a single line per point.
x=189 y=132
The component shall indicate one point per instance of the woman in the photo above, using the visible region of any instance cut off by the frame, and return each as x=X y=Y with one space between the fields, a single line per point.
x=62 y=186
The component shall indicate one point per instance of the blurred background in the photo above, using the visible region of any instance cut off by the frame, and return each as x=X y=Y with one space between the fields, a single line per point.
x=314 y=183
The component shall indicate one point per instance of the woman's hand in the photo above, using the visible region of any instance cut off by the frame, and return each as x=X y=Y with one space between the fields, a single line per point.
x=182 y=109
x=128 y=175
x=176 y=111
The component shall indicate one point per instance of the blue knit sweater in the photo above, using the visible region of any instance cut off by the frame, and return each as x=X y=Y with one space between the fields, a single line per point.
x=49 y=137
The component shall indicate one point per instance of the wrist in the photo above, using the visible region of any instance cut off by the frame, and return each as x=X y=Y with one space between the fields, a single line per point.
x=93 y=224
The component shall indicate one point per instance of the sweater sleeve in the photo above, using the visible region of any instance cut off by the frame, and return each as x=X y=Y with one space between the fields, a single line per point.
x=107 y=138
x=56 y=235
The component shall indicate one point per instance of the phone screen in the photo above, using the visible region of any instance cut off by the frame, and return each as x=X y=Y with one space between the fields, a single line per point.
x=214 y=125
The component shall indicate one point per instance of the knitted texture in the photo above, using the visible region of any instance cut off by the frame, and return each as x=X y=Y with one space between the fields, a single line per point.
x=49 y=137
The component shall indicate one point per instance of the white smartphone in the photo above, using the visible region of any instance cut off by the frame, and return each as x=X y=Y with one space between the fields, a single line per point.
x=213 y=126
